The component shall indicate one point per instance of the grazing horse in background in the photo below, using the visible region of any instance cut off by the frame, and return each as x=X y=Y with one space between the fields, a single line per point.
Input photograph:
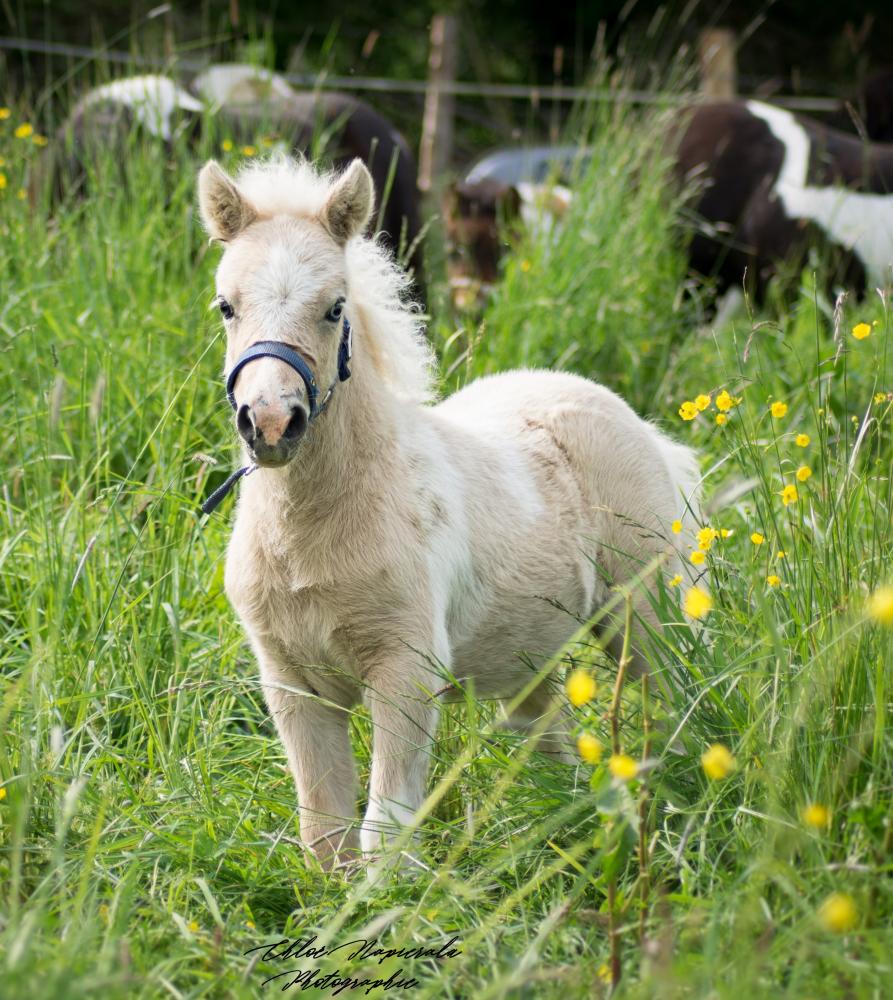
x=250 y=101
x=107 y=118
x=385 y=550
x=767 y=183
x=245 y=102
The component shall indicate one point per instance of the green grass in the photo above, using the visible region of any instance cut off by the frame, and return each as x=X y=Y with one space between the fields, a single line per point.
x=148 y=834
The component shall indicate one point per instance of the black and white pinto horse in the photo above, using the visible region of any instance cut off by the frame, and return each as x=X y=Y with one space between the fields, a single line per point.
x=768 y=183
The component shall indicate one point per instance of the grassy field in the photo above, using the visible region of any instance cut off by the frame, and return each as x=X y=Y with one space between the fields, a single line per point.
x=148 y=831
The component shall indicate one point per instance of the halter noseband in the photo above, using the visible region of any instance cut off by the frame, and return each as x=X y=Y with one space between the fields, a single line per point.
x=282 y=352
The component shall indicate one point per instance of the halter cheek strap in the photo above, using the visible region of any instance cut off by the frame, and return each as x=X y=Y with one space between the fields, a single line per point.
x=282 y=352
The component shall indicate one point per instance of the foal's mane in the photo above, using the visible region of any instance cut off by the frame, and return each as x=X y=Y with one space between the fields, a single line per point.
x=379 y=303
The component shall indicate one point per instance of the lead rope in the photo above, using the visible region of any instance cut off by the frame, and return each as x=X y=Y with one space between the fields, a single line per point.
x=294 y=360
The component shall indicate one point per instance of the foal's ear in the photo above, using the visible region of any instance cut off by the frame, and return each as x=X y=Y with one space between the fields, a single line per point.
x=225 y=212
x=349 y=204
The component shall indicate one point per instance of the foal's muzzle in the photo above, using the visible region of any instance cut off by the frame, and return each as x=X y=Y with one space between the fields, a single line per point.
x=272 y=432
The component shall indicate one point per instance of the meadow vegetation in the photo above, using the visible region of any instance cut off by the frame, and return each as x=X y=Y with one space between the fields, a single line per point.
x=728 y=830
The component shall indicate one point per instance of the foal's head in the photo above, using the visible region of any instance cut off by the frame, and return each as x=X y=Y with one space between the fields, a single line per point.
x=283 y=278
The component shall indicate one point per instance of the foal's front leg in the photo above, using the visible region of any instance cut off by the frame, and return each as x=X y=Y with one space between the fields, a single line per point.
x=317 y=741
x=404 y=721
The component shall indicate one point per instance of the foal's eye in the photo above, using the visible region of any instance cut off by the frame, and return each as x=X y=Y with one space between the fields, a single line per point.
x=334 y=314
x=226 y=310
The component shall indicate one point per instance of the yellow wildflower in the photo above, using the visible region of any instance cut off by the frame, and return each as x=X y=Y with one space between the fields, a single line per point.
x=838 y=913
x=724 y=401
x=702 y=401
x=249 y=924
x=192 y=926
x=773 y=580
x=40 y=140
x=21 y=194
x=580 y=688
x=226 y=145
x=249 y=150
x=879 y=397
x=721 y=419
x=816 y=815
x=781 y=554
x=717 y=761
x=757 y=538
x=676 y=527
x=706 y=537
x=676 y=580
x=697 y=602
x=688 y=410
x=4 y=114
x=268 y=142
x=24 y=131
x=697 y=557
x=726 y=532
x=589 y=748
x=880 y=605
x=803 y=473
x=861 y=331
x=2 y=794
x=801 y=440
x=2 y=181
x=789 y=495
x=778 y=409
x=604 y=973
x=622 y=766
x=525 y=265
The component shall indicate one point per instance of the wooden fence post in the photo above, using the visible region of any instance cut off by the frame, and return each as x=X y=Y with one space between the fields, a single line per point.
x=437 y=124
x=716 y=54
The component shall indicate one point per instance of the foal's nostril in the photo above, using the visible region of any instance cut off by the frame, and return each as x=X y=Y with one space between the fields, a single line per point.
x=245 y=423
x=297 y=425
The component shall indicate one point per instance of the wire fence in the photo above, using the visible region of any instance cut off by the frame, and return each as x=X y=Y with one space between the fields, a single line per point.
x=499 y=91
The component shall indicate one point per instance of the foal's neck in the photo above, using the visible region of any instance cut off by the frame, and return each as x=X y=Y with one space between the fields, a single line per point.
x=347 y=466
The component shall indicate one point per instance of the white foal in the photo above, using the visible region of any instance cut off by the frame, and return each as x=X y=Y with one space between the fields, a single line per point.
x=382 y=541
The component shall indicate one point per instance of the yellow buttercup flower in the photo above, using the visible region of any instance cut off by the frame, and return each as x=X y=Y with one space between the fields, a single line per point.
x=676 y=527
x=778 y=409
x=726 y=532
x=789 y=495
x=622 y=766
x=676 y=580
x=580 y=688
x=702 y=401
x=801 y=440
x=4 y=114
x=2 y=181
x=757 y=538
x=604 y=973
x=249 y=150
x=803 y=473
x=880 y=606
x=23 y=131
x=706 y=537
x=781 y=554
x=525 y=265
x=718 y=762
x=193 y=926
x=226 y=145
x=815 y=815
x=697 y=602
x=879 y=397
x=721 y=419
x=861 y=331
x=589 y=748
x=724 y=401
x=40 y=140
x=2 y=794
x=688 y=410
x=697 y=557
x=773 y=580
x=250 y=925
x=838 y=913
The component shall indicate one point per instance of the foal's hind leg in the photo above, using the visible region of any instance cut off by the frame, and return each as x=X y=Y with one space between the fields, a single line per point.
x=547 y=720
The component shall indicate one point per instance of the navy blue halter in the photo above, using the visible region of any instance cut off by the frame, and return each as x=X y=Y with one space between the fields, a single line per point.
x=282 y=352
